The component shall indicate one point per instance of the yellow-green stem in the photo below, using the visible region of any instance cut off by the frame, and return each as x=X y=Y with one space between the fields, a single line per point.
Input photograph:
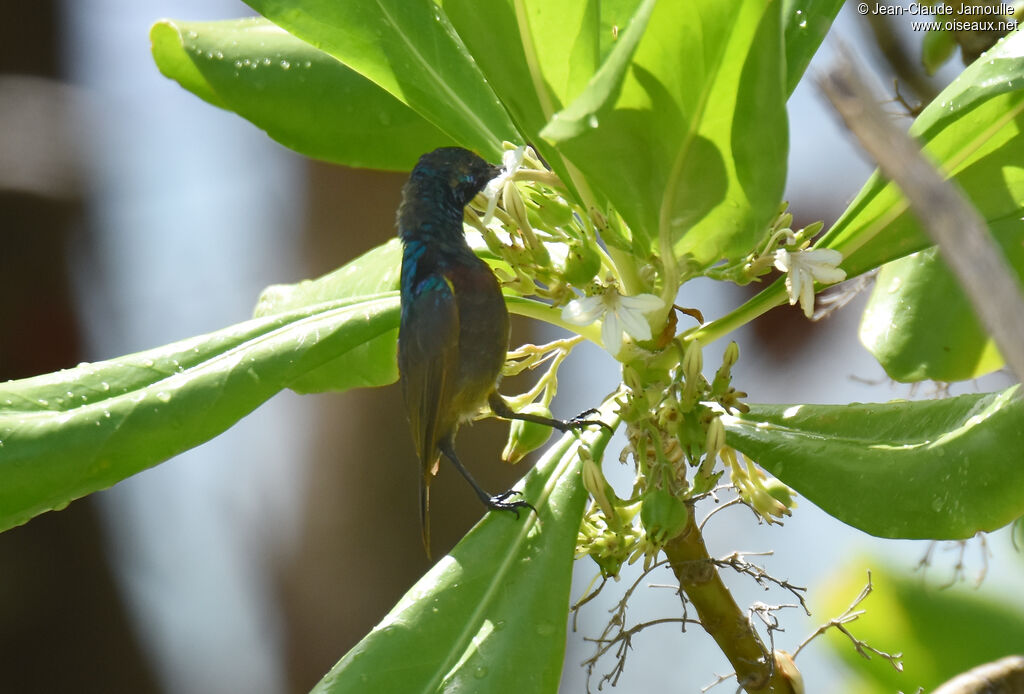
x=772 y=296
x=719 y=614
x=541 y=311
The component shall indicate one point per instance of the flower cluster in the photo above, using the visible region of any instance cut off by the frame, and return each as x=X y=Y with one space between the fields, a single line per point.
x=787 y=250
x=554 y=249
x=675 y=435
x=769 y=498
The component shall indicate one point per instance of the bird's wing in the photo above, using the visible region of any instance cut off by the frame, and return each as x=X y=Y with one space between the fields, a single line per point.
x=428 y=355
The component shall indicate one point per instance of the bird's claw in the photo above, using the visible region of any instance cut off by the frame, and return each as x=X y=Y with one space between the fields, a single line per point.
x=498 y=503
x=578 y=422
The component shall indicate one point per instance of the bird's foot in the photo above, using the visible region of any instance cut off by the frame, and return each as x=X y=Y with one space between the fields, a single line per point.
x=580 y=421
x=499 y=502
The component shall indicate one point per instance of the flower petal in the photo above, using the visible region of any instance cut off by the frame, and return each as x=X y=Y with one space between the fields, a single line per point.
x=806 y=292
x=491 y=191
x=828 y=274
x=611 y=333
x=642 y=303
x=512 y=160
x=585 y=310
x=783 y=260
x=821 y=256
x=794 y=284
x=633 y=323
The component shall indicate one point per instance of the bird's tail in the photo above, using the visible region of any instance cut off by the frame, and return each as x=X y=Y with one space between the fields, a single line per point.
x=425 y=512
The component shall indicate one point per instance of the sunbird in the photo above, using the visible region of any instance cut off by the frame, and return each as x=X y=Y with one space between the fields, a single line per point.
x=454 y=329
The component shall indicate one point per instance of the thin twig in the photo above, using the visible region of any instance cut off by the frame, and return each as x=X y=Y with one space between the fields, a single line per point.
x=960 y=567
x=587 y=597
x=609 y=637
x=736 y=562
x=848 y=616
x=716 y=509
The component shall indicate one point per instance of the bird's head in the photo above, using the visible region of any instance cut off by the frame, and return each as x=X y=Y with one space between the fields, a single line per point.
x=457 y=170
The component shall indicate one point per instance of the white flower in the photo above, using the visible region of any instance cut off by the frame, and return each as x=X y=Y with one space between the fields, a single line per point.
x=622 y=314
x=511 y=161
x=802 y=268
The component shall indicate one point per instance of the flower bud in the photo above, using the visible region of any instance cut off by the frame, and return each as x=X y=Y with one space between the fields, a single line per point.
x=663 y=515
x=693 y=361
x=582 y=263
x=786 y=667
x=732 y=355
x=552 y=212
x=780 y=492
x=600 y=490
x=525 y=437
x=716 y=437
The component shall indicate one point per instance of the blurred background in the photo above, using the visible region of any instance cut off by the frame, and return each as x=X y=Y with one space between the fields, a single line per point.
x=132 y=214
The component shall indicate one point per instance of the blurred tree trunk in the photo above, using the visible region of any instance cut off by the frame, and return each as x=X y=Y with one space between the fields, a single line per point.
x=63 y=626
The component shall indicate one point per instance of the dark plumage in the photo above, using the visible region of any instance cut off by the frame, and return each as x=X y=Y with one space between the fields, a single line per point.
x=454 y=329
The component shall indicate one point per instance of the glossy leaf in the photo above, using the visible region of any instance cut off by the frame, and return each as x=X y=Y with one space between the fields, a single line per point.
x=606 y=84
x=300 y=96
x=691 y=146
x=534 y=54
x=478 y=621
x=940 y=633
x=972 y=130
x=371 y=273
x=806 y=22
x=615 y=16
x=67 y=434
x=492 y=33
x=935 y=469
x=408 y=48
x=919 y=324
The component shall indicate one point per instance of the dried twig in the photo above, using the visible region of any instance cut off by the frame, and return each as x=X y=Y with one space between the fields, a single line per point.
x=614 y=633
x=737 y=563
x=848 y=616
x=624 y=640
x=731 y=502
x=960 y=567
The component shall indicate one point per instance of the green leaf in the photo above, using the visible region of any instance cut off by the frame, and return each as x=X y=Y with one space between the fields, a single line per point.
x=409 y=48
x=523 y=49
x=937 y=47
x=972 y=130
x=67 y=434
x=606 y=84
x=615 y=17
x=373 y=272
x=807 y=23
x=300 y=96
x=935 y=469
x=566 y=38
x=689 y=140
x=939 y=337
x=940 y=633
x=490 y=616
